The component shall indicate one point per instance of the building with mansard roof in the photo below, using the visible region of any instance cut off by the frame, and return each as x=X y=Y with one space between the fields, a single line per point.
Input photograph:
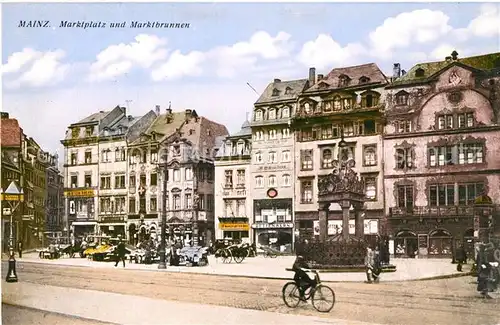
x=272 y=168
x=346 y=103
x=441 y=151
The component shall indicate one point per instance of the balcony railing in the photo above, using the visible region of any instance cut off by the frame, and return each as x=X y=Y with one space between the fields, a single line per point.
x=234 y=192
x=444 y=211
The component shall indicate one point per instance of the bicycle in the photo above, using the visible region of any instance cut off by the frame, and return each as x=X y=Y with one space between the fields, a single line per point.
x=317 y=293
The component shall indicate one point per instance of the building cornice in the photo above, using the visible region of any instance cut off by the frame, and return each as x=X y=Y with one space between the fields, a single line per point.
x=489 y=128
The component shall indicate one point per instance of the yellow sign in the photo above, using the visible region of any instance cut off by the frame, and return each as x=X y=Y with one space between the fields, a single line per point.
x=79 y=193
x=13 y=197
x=234 y=226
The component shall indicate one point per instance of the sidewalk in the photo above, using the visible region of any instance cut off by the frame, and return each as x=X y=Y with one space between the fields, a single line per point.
x=125 y=309
x=407 y=269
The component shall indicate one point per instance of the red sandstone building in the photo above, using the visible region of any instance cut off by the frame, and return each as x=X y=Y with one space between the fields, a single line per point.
x=442 y=150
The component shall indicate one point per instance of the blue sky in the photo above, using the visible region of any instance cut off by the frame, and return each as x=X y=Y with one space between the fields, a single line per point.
x=55 y=76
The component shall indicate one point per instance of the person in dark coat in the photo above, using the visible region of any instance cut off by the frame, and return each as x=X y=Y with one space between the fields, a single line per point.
x=20 y=249
x=460 y=257
x=120 y=253
x=483 y=272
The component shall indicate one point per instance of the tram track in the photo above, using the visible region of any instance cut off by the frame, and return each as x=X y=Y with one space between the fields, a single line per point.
x=260 y=294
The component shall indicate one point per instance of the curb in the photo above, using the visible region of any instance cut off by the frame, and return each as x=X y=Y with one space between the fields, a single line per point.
x=438 y=277
x=443 y=277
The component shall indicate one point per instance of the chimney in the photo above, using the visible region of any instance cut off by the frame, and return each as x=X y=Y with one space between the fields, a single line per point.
x=188 y=113
x=130 y=117
x=447 y=59
x=320 y=77
x=312 y=76
x=454 y=55
x=403 y=72
x=4 y=115
x=277 y=80
x=396 y=71
x=157 y=110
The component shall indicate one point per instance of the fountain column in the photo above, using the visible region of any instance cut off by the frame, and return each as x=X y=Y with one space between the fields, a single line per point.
x=323 y=222
x=345 y=205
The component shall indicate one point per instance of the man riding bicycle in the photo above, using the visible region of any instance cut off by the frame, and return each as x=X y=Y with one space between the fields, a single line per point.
x=302 y=280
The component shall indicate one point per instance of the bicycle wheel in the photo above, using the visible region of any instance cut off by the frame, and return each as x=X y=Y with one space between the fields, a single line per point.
x=323 y=299
x=291 y=295
x=226 y=256
x=238 y=258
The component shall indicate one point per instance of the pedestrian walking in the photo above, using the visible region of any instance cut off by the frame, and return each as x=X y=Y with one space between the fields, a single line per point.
x=120 y=253
x=20 y=249
x=483 y=272
x=369 y=261
x=377 y=266
x=461 y=257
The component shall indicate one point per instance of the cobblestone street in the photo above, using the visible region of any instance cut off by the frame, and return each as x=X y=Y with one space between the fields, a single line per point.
x=451 y=301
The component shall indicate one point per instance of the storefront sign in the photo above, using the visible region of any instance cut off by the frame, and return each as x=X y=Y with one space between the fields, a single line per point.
x=272 y=225
x=272 y=168
x=335 y=227
x=13 y=197
x=234 y=226
x=79 y=193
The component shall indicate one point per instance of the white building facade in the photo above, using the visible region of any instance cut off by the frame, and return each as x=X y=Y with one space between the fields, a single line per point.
x=233 y=203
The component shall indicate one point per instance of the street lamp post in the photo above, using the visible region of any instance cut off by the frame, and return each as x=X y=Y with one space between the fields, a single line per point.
x=163 y=239
x=13 y=196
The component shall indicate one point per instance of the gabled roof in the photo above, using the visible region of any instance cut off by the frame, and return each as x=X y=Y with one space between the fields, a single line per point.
x=277 y=91
x=164 y=125
x=10 y=133
x=430 y=69
x=96 y=117
x=354 y=74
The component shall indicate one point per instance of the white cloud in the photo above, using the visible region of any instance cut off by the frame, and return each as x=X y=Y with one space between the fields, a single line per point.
x=487 y=24
x=420 y=26
x=43 y=68
x=324 y=52
x=243 y=55
x=119 y=59
x=444 y=50
x=16 y=61
x=226 y=61
x=179 y=65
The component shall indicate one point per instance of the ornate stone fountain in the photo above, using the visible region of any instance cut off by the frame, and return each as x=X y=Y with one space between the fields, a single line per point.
x=342 y=186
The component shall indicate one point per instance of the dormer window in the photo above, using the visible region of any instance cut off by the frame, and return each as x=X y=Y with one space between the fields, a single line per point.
x=285 y=112
x=343 y=80
x=419 y=72
x=106 y=132
x=153 y=136
x=364 y=80
x=258 y=115
x=288 y=91
x=89 y=131
x=272 y=114
x=307 y=108
x=120 y=130
x=276 y=92
x=402 y=98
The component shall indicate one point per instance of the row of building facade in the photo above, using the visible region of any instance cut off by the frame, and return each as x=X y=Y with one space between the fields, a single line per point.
x=425 y=143
x=34 y=171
